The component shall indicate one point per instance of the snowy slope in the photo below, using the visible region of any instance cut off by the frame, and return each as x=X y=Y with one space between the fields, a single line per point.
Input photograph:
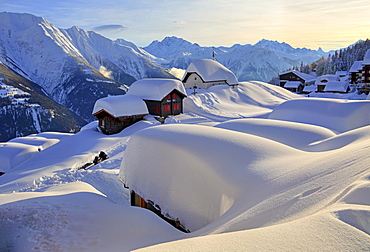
x=250 y=184
x=249 y=99
x=118 y=58
x=21 y=98
x=261 y=61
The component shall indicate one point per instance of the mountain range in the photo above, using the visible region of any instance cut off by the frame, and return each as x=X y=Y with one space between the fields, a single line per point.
x=74 y=67
x=261 y=61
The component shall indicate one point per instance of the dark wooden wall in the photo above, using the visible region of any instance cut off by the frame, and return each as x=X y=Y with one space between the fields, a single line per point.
x=113 y=125
x=171 y=104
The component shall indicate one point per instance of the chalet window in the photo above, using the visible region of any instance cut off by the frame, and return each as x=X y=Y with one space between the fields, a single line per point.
x=176 y=106
x=169 y=96
x=166 y=108
x=156 y=108
x=173 y=96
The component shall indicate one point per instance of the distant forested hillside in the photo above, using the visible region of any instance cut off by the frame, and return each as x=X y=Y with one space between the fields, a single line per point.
x=340 y=60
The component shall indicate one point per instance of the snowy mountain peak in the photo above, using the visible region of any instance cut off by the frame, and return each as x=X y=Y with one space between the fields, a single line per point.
x=175 y=41
x=21 y=21
x=275 y=45
x=171 y=46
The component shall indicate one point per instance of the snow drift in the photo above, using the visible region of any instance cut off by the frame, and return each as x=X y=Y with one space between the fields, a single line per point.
x=18 y=150
x=202 y=173
x=297 y=135
x=249 y=99
x=338 y=115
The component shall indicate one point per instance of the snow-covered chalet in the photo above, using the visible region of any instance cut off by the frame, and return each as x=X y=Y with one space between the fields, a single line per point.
x=118 y=112
x=295 y=81
x=163 y=97
x=362 y=76
x=355 y=72
x=204 y=73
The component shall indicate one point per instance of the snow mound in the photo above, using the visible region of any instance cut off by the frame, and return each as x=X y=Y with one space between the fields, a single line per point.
x=334 y=114
x=155 y=89
x=76 y=217
x=20 y=149
x=249 y=99
x=297 y=135
x=203 y=172
x=121 y=105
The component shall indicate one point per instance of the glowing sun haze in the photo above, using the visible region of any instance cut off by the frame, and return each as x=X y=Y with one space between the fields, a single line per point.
x=329 y=24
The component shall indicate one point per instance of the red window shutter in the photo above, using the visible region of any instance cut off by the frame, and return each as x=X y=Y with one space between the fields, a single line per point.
x=166 y=108
x=156 y=108
x=176 y=106
x=169 y=96
x=173 y=96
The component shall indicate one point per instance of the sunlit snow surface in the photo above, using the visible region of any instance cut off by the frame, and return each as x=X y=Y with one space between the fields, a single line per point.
x=240 y=170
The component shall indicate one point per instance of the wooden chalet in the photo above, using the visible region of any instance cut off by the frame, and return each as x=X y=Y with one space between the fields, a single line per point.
x=323 y=80
x=294 y=86
x=360 y=74
x=355 y=73
x=309 y=89
x=204 y=73
x=118 y=112
x=163 y=97
x=364 y=86
x=337 y=87
x=292 y=77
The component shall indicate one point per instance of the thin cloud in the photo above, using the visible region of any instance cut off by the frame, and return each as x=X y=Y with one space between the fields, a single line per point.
x=102 y=28
x=180 y=22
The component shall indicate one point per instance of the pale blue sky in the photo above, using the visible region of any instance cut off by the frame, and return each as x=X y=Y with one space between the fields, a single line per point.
x=330 y=24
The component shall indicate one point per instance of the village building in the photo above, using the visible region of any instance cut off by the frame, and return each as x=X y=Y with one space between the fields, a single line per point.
x=289 y=80
x=115 y=113
x=309 y=89
x=355 y=73
x=337 y=87
x=163 y=97
x=294 y=86
x=323 y=80
x=204 y=73
x=364 y=87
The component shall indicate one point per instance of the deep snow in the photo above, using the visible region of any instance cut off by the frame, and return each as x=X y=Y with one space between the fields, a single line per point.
x=244 y=175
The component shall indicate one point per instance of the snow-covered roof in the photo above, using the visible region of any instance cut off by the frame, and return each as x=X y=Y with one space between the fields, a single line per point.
x=322 y=80
x=211 y=70
x=306 y=77
x=336 y=86
x=341 y=73
x=292 y=84
x=310 y=88
x=366 y=60
x=121 y=105
x=194 y=183
x=335 y=114
x=356 y=67
x=155 y=89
